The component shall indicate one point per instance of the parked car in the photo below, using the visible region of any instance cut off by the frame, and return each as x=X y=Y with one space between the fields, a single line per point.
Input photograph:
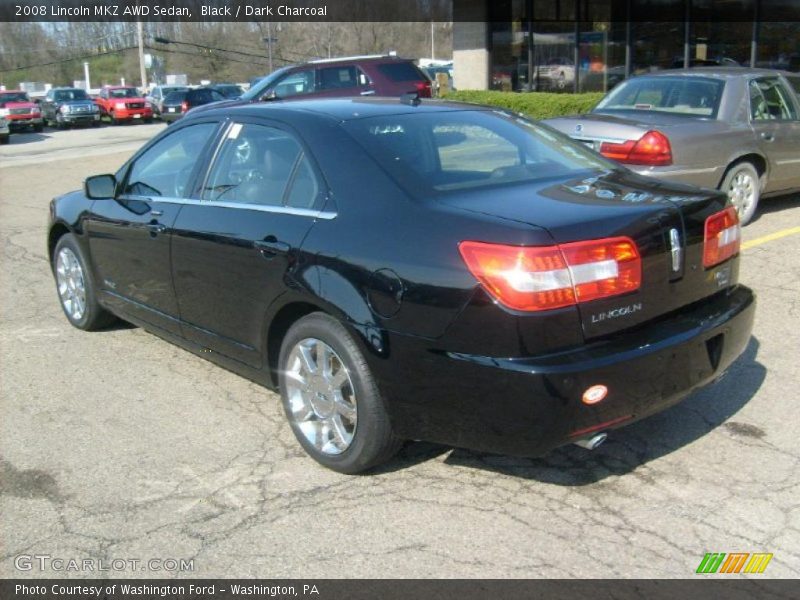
x=63 y=107
x=229 y=90
x=176 y=104
x=5 y=131
x=124 y=104
x=405 y=270
x=734 y=129
x=19 y=111
x=351 y=76
x=158 y=93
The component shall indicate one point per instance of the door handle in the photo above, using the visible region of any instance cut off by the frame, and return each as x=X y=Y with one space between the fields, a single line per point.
x=156 y=213
x=271 y=246
x=156 y=228
x=767 y=136
x=368 y=93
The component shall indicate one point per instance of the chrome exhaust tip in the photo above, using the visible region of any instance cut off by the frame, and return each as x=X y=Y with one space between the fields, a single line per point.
x=592 y=442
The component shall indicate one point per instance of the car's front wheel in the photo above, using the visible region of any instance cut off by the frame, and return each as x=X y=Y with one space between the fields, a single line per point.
x=742 y=183
x=76 y=289
x=331 y=399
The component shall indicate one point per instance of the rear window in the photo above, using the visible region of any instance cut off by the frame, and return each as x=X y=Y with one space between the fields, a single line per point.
x=178 y=96
x=401 y=71
x=686 y=96
x=445 y=151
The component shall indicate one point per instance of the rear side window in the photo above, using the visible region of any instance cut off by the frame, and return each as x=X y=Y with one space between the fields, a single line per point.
x=261 y=166
x=769 y=100
x=401 y=71
x=337 y=78
x=794 y=81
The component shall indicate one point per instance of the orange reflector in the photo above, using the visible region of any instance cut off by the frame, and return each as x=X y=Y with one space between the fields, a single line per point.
x=595 y=394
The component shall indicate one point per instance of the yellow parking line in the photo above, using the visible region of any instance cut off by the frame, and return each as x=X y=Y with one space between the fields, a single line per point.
x=772 y=236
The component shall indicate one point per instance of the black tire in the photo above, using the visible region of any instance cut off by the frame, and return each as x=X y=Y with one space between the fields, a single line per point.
x=38 y=128
x=148 y=121
x=94 y=316
x=745 y=209
x=4 y=139
x=373 y=441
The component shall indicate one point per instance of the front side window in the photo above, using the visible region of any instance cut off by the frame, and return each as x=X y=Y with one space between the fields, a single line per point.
x=296 y=84
x=685 y=96
x=261 y=166
x=769 y=101
x=438 y=152
x=165 y=168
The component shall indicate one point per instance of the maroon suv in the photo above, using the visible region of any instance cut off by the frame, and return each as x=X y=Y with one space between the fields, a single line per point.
x=352 y=76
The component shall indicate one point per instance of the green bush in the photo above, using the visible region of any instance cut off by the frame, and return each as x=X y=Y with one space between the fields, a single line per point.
x=537 y=105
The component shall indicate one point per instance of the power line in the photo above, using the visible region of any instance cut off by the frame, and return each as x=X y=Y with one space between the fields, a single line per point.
x=66 y=60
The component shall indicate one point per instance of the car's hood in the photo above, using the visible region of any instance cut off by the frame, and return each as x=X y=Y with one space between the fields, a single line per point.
x=76 y=102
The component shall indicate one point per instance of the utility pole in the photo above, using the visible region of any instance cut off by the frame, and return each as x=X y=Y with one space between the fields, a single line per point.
x=269 y=40
x=433 y=47
x=142 y=70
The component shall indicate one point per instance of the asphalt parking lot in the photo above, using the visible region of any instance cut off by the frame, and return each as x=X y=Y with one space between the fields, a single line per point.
x=118 y=445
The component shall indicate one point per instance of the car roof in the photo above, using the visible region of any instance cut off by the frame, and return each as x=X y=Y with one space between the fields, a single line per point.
x=715 y=72
x=345 y=109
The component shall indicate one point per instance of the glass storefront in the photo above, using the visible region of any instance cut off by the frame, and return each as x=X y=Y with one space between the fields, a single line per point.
x=591 y=45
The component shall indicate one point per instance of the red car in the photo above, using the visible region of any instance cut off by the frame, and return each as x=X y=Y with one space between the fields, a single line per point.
x=19 y=111
x=123 y=103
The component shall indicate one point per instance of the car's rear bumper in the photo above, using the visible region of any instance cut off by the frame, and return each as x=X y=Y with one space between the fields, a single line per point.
x=708 y=177
x=170 y=116
x=528 y=406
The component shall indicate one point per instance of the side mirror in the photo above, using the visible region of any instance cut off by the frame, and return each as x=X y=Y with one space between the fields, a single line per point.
x=270 y=95
x=100 y=187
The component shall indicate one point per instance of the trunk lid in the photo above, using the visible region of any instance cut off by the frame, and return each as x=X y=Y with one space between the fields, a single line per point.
x=666 y=221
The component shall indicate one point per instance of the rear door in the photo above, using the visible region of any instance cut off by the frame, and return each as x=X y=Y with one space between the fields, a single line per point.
x=776 y=122
x=236 y=250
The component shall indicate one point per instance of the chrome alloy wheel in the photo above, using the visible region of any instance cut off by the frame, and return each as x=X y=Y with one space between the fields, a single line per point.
x=71 y=284
x=742 y=191
x=321 y=396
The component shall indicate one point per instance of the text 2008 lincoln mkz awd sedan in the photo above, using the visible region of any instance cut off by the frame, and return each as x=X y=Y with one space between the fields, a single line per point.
x=406 y=270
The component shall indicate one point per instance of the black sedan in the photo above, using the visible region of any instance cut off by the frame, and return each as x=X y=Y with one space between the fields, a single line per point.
x=179 y=102
x=406 y=270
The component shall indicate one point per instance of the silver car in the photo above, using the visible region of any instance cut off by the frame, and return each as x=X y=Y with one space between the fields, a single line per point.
x=733 y=129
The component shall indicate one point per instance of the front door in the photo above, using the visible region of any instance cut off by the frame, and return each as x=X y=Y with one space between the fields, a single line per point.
x=129 y=236
x=237 y=250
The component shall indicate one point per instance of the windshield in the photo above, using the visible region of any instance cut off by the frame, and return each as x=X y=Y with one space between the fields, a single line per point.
x=443 y=151
x=686 y=96
x=67 y=95
x=255 y=92
x=123 y=93
x=13 y=97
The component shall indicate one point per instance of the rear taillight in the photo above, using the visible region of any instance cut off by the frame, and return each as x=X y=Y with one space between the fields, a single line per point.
x=533 y=278
x=184 y=106
x=423 y=89
x=652 y=149
x=722 y=237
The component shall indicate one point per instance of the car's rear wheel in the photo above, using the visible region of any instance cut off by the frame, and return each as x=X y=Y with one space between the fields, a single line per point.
x=331 y=399
x=76 y=289
x=38 y=128
x=742 y=183
x=4 y=139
